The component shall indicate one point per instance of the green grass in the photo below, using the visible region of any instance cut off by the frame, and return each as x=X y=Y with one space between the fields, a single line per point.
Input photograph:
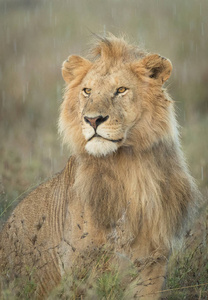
x=92 y=277
x=188 y=267
x=35 y=38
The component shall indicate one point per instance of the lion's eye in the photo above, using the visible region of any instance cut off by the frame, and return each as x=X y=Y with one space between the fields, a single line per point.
x=121 y=90
x=86 y=91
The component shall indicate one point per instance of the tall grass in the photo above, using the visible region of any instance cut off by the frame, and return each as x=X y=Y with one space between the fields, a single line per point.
x=35 y=37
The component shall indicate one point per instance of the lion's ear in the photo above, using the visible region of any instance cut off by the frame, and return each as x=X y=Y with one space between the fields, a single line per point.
x=156 y=67
x=75 y=66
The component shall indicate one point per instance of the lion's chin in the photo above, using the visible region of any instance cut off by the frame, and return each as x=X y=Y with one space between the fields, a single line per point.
x=100 y=147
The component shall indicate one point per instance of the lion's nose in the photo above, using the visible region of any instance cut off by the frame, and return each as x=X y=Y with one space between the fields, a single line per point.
x=95 y=122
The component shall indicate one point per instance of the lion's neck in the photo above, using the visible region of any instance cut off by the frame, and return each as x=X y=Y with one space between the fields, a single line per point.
x=110 y=185
x=133 y=188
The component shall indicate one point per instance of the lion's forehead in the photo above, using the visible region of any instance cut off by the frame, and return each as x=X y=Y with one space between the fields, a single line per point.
x=94 y=80
x=111 y=78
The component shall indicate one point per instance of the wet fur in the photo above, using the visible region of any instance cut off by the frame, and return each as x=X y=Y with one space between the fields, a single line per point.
x=137 y=198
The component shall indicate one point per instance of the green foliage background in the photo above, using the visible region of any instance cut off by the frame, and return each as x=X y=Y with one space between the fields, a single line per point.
x=36 y=36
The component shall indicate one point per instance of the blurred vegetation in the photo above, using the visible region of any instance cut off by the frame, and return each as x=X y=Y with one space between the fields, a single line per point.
x=36 y=36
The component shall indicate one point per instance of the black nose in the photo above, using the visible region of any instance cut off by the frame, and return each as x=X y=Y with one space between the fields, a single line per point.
x=95 y=122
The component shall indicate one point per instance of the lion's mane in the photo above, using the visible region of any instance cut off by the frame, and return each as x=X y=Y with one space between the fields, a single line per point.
x=126 y=184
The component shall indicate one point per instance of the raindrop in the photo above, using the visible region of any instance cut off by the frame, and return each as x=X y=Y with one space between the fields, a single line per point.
x=50 y=159
x=174 y=10
x=3 y=98
x=196 y=49
x=49 y=153
x=104 y=30
x=1 y=75
x=15 y=46
x=23 y=61
x=182 y=46
x=23 y=95
x=58 y=59
x=26 y=19
x=159 y=30
x=50 y=14
x=25 y=92
x=61 y=149
x=184 y=117
x=5 y=8
x=58 y=90
x=202 y=28
x=202 y=173
x=184 y=72
x=141 y=40
x=7 y=35
x=191 y=46
x=191 y=26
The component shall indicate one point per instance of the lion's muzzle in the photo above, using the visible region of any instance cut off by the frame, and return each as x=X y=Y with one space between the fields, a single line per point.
x=95 y=122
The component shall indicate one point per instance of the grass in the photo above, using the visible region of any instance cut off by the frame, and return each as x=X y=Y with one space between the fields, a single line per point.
x=93 y=277
x=36 y=37
x=20 y=288
x=188 y=267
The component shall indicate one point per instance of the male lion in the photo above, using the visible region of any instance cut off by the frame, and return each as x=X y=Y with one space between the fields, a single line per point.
x=126 y=184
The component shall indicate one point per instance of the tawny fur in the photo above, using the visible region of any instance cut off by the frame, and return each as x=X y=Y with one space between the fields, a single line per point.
x=129 y=187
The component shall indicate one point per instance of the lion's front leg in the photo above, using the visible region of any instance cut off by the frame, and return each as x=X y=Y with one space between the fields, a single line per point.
x=151 y=278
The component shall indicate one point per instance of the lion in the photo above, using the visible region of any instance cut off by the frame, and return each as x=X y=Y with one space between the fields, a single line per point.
x=126 y=184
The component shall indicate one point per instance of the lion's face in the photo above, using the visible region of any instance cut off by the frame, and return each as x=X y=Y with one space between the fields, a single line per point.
x=112 y=103
x=109 y=108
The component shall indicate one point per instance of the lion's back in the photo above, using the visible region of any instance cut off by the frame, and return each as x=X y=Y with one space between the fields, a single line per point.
x=30 y=238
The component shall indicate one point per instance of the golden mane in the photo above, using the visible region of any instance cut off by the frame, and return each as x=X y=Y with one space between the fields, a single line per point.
x=115 y=49
x=126 y=185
